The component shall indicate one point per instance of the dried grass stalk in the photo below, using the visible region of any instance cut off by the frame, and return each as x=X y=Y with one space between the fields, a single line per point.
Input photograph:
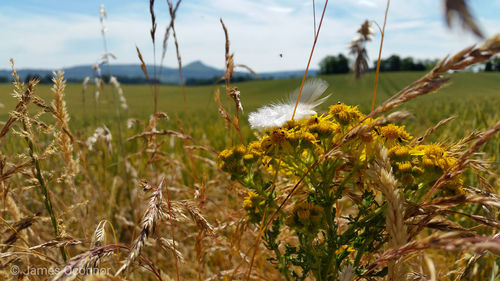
x=57 y=243
x=432 y=130
x=160 y=133
x=231 y=92
x=101 y=277
x=16 y=169
x=85 y=261
x=168 y=30
x=11 y=204
x=16 y=229
x=147 y=225
x=64 y=142
x=153 y=20
x=452 y=241
x=99 y=234
x=172 y=12
x=460 y=9
x=382 y=121
x=198 y=218
x=168 y=245
x=435 y=79
x=381 y=173
x=143 y=65
x=23 y=97
x=358 y=49
x=464 y=160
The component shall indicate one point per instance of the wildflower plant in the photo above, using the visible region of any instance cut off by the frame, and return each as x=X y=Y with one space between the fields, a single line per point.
x=339 y=211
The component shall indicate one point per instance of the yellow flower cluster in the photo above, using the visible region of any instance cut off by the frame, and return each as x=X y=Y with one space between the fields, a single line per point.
x=315 y=133
x=294 y=147
x=420 y=158
x=253 y=205
x=230 y=160
x=306 y=217
x=434 y=155
x=345 y=114
x=422 y=164
x=392 y=132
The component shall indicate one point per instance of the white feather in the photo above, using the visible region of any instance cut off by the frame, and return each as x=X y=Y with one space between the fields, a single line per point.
x=275 y=115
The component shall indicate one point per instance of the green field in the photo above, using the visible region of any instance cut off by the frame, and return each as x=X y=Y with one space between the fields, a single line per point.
x=473 y=97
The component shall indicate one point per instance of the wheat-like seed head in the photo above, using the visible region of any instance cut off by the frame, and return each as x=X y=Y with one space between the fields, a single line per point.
x=381 y=174
x=64 y=142
x=147 y=225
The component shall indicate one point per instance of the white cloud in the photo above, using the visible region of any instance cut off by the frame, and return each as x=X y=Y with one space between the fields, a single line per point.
x=367 y=3
x=259 y=31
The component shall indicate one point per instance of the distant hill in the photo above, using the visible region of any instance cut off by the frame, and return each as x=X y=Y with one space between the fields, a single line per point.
x=194 y=70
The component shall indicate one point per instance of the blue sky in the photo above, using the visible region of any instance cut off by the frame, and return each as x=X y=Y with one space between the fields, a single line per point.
x=54 y=34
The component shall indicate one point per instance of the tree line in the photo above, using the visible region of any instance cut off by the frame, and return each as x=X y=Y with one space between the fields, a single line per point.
x=492 y=65
x=342 y=64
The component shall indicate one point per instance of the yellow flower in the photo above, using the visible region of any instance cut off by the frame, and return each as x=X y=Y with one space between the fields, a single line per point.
x=290 y=124
x=276 y=141
x=363 y=155
x=453 y=186
x=232 y=153
x=315 y=119
x=349 y=249
x=266 y=143
x=229 y=159
x=434 y=155
x=254 y=152
x=322 y=126
x=307 y=139
x=446 y=162
x=301 y=137
x=407 y=179
x=398 y=151
x=305 y=216
x=426 y=161
x=252 y=204
x=344 y=113
x=417 y=170
x=429 y=150
x=337 y=108
x=278 y=136
x=251 y=199
x=249 y=158
x=433 y=150
x=225 y=154
x=254 y=148
x=404 y=166
x=393 y=132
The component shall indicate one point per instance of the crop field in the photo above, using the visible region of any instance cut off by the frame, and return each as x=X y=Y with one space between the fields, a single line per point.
x=473 y=98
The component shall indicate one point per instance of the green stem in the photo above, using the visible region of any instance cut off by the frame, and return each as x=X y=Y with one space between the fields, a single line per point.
x=330 y=258
x=45 y=193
